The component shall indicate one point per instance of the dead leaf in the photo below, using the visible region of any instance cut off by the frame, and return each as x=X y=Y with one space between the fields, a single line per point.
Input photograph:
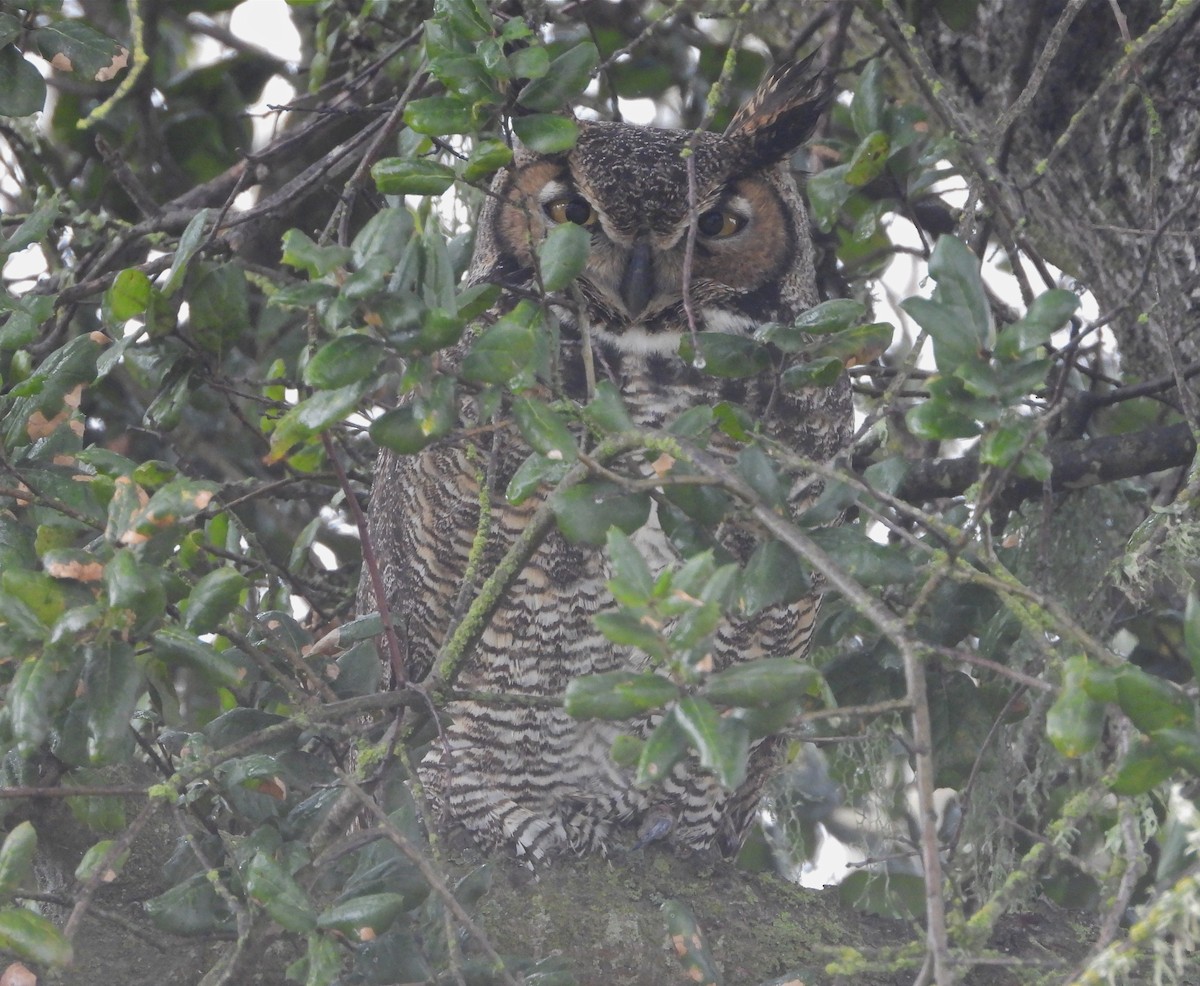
x=17 y=975
x=119 y=61
x=80 y=571
x=37 y=425
x=662 y=465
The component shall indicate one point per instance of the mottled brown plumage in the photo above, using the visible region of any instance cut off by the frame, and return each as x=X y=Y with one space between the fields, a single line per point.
x=534 y=780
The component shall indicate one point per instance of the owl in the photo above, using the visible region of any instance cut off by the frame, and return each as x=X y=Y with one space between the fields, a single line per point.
x=528 y=778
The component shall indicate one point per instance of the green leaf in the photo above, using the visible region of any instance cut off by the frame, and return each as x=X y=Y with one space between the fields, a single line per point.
x=177 y=647
x=273 y=887
x=1047 y=314
x=384 y=237
x=1181 y=745
x=219 y=307
x=869 y=159
x=35 y=226
x=33 y=937
x=1001 y=446
x=189 y=242
x=628 y=566
x=626 y=750
x=16 y=858
x=691 y=950
x=313 y=415
x=897 y=896
x=535 y=471
x=39 y=690
x=772 y=575
x=960 y=287
x=586 y=511
x=866 y=109
x=829 y=316
x=544 y=429
x=324 y=958
x=758 y=470
x=405 y=176
x=856 y=346
x=664 y=748
x=823 y=372
x=763 y=683
x=363 y=918
x=546 y=134
x=607 y=412
x=190 y=908
x=213 y=599
x=402 y=430
x=303 y=253
x=865 y=560
x=10 y=28
x=936 y=420
x=344 y=360
x=563 y=255
x=628 y=630
x=22 y=88
x=617 y=695
x=724 y=355
x=565 y=79
x=129 y=294
x=723 y=744
x=112 y=681
x=827 y=194
x=487 y=157
x=1141 y=770
x=529 y=63
x=1191 y=633
x=507 y=348
x=954 y=343
x=439 y=115
x=39 y=592
x=439 y=329
x=475 y=300
x=1152 y=703
x=73 y=46
x=1075 y=721
x=95 y=856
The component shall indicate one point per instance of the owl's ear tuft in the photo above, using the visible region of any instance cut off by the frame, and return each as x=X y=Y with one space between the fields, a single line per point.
x=782 y=114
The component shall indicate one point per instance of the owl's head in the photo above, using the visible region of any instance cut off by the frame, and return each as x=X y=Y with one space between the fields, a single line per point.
x=629 y=186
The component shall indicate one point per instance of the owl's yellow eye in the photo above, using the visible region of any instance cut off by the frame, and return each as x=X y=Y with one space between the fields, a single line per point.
x=717 y=224
x=571 y=209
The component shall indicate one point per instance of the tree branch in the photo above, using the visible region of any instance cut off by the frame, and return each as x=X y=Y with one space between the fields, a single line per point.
x=1076 y=465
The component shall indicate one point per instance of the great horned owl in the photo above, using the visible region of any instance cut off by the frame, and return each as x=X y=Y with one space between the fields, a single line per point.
x=528 y=778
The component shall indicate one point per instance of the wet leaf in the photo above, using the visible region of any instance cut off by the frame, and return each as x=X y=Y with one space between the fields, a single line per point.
x=273 y=887
x=213 y=598
x=617 y=695
x=1075 y=721
x=22 y=88
x=546 y=134
x=373 y=913
x=343 y=361
x=763 y=683
x=544 y=429
x=406 y=176
x=563 y=255
x=565 y=79
x=16 y=858
x=586 y=511
x=33 y=937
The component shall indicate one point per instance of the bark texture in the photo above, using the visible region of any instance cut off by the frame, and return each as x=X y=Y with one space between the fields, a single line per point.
x=1103 y=165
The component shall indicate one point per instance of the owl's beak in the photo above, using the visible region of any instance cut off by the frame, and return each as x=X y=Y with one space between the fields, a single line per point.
x=637 y=283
